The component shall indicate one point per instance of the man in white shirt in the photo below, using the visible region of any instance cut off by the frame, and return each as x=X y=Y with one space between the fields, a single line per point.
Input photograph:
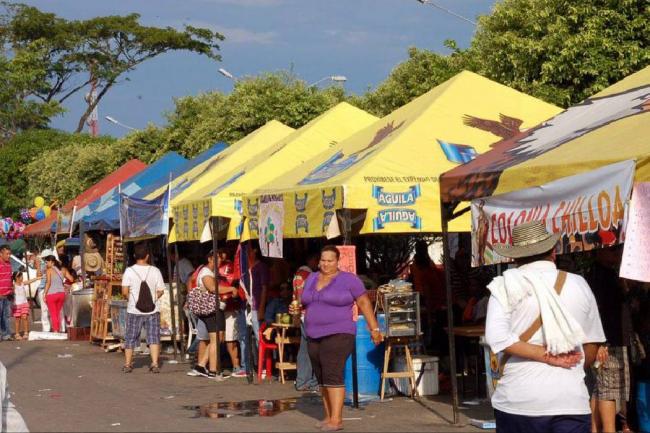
x=546 y=325
x=143 y=309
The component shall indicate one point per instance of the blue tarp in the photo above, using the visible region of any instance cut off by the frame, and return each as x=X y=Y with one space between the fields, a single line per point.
x=104 y=213
x=141 y=218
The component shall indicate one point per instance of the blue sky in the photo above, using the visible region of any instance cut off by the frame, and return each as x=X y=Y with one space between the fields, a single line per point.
x=361 y=39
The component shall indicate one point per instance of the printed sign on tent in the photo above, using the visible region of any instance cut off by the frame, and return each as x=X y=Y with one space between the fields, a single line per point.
x=271 y=225
x=140 y=218
x=636 y=252
x=588 y=209
x=348 y=258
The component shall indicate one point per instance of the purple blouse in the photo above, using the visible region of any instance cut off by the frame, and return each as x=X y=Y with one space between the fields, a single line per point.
x=329 y=311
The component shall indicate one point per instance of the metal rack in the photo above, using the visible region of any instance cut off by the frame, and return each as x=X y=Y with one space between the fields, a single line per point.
x=402 y=311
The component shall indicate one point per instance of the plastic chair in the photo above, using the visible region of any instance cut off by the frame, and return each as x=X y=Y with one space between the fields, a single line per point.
x=265 y=354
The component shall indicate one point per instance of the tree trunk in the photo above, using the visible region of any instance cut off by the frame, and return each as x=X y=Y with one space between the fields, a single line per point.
x=91 y=107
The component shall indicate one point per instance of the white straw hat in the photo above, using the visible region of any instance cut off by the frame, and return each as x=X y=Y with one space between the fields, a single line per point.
x=528 y=239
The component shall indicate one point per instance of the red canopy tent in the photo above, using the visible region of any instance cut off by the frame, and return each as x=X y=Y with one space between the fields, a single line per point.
x=129 y=169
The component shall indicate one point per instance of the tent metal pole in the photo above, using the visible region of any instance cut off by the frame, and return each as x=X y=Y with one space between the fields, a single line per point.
x=171 y=295
x=215 y=258
x=444 y=212
x=347 y=233
x=181 y=313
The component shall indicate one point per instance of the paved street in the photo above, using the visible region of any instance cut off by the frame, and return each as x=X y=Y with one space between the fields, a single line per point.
x=87 y=392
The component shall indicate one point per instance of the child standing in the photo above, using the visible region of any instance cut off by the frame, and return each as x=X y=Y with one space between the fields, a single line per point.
x=21 y=305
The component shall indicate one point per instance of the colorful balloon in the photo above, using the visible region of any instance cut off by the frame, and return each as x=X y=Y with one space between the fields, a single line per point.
x=32 y=212
x=40 y=215
x=47 y=211
x=39 y=201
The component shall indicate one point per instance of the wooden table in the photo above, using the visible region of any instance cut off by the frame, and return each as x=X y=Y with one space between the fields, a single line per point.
x=471 y=331
x=281 y=339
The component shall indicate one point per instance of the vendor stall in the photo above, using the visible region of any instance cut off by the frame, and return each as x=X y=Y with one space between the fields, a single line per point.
x=609 y=128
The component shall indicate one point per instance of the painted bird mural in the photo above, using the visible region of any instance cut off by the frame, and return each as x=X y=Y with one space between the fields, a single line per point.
x=480 y=177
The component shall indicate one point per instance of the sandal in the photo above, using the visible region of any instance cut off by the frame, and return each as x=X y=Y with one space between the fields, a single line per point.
x=154 y=368
x=331 y=427
x=127 y=369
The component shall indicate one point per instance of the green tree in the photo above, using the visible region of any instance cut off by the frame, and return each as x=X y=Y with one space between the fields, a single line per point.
x=76 y=53
x=19 y=75
x=24 y=148
x=63 y=173
x=200 y=121
x=562 y=51
x=146 y=144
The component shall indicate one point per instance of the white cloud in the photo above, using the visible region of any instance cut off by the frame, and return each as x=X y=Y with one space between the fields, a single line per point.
x=244 y=36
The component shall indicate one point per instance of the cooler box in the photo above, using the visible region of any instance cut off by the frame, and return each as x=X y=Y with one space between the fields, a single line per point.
x=429 y=384
x=118 y=318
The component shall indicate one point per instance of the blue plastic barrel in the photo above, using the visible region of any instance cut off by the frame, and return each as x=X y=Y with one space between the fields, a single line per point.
x=643 y=405
x=370 y=361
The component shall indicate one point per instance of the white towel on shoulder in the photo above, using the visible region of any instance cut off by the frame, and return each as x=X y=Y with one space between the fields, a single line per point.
x=561 y=331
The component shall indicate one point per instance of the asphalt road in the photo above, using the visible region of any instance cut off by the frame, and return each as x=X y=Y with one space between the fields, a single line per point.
x=76 y=386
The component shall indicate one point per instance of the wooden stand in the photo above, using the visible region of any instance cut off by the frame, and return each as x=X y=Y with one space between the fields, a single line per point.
x=104 y=288
x=396 y=343
x=281 y=339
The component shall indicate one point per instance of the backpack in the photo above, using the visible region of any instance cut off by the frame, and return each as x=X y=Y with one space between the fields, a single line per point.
x=145 y=302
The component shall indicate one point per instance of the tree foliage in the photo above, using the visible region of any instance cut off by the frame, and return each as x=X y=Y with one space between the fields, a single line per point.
x=16 y=155
x=65 y=172
x=562 y=51
x=100 y=50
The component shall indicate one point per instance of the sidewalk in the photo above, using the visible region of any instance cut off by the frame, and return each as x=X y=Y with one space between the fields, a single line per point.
x=87 y=392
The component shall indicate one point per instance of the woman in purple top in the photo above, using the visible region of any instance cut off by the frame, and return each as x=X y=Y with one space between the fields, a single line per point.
x=329 y=296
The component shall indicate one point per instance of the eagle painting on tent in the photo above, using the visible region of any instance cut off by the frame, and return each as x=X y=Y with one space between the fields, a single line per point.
x=482 y=174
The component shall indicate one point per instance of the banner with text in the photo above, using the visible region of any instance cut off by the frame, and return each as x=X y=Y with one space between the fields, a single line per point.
x=141 y=218
x=588 y=209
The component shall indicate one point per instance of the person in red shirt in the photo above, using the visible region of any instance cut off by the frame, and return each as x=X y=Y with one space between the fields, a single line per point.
x=226 y=275
x=6 y=293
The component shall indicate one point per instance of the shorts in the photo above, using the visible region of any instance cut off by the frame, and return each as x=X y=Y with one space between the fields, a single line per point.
x=202 y=331
x=134 y=324
x=328 y=355
x=21 y=310
x=231 y=325
x=214 y=322
x=510 y=423
x=612 y=380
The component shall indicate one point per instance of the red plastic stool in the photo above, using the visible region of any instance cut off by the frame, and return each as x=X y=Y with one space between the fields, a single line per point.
x=265 y=355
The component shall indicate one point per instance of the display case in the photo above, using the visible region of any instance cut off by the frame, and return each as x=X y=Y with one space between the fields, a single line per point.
x=402 y=311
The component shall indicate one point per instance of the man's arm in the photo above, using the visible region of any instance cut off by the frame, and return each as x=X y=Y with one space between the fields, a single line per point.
x=591 y=350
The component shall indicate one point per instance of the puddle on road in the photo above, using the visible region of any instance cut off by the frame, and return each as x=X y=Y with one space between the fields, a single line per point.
x=249 y=408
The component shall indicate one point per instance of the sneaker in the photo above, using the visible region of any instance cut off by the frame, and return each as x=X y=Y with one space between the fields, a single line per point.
x=239 y=372
x=226 y=372
x=198 y=371
x=214 y=376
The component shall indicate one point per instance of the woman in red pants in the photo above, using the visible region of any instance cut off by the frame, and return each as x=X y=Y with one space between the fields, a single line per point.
x=55 y=290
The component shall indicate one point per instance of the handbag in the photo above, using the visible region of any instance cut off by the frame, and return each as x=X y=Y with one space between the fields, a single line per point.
x=200 y=301
x=637 y=351
x=145 y=302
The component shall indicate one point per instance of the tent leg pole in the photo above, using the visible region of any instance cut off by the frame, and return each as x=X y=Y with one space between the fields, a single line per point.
x=171 y=296
x=179 y=307
x=215 y=257
x=450 y=311
x=347 y=233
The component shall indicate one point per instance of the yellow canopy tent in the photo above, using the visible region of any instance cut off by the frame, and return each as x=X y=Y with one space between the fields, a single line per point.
x=391 y=168
x=611 y=126
x=222 y=196
x=231 y=157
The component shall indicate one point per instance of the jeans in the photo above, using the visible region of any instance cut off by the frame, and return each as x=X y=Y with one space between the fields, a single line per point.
x=242 y=334
x=305 y=378
x=255 y=323
x=5 y=318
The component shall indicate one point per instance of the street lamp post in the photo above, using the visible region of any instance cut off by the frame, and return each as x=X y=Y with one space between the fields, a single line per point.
x=450 y=12
x=115 y=121
x=227 y=74
x=333 y=78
